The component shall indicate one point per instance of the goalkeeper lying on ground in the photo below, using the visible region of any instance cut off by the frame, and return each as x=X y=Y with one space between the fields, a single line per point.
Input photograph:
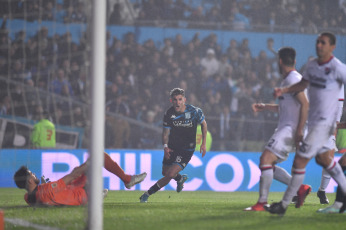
x=69 y=190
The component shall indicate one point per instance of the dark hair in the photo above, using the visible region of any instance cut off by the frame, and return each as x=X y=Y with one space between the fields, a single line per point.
x=21 y=176
x=287 y=55
x=177 y=91
x=331 y=36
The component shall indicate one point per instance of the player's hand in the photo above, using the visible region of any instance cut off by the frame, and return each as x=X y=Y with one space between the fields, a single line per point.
x=167 y=152
x=258 y=107
x=203 y=149
x=277 y=92
x=298 y=139
x=44 y=180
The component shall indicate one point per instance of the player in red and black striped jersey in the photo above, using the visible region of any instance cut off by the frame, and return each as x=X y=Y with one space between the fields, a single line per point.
x=179 y=140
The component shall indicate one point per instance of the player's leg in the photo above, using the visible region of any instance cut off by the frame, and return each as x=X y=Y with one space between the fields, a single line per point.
x=114 y=168
x=321 y=194
x=333 y=168
x=267 y=160
x=170 y=172
x=335 y=208
x=313 y=144
x=280 y=174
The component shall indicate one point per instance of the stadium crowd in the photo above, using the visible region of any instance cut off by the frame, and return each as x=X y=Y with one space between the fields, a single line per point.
x=139 y=76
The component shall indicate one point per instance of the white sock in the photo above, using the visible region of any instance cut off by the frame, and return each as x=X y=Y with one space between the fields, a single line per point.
x=324 y=180
x=266 y=180
x=337 y=204
x=296 y=181
x=280 y=174
x=334 y=169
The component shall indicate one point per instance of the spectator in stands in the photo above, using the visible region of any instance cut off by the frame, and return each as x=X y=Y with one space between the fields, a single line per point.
x=210 y=63
x=180 y=8
x=18 y=73
x=115 y=17
x=197 y=16
x=6 y=105
x=150 y=10
x=60 y=84
x=224 y=65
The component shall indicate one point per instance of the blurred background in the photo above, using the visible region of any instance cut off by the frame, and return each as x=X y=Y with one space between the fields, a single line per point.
x=222 y=52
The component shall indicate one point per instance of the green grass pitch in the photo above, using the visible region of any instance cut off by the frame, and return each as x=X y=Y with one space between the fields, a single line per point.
x=171 y=210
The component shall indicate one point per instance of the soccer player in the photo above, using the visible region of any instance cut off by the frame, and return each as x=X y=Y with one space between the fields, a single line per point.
x=69 y=190
x=180 y=123
x=321 y=194
x=324 y=75
x=293 y=111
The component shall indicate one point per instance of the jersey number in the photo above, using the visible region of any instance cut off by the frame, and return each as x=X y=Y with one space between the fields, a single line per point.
x=49 y=134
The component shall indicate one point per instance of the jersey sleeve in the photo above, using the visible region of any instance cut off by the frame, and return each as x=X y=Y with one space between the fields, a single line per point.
x=200 y=115
x=341 y=73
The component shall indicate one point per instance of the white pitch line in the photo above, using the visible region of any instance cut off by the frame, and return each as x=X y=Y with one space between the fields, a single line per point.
x=25 y=223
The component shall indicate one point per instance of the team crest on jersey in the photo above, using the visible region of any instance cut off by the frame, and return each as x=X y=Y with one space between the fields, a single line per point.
x=173 y=116
x=187 y=115
x=327 y=70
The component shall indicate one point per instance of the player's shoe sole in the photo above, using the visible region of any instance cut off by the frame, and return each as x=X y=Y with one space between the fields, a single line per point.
x=257 y=207
x=135 y=179
x=303 y=192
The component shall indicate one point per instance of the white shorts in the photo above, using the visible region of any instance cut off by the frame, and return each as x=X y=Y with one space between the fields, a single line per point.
x=281 y=142
x=318 y=140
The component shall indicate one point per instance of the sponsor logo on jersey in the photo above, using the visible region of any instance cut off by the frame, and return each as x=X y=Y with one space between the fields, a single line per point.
x=186 y=123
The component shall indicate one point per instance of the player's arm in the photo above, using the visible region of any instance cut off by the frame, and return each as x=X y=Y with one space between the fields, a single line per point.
x=204 y=129
x=259 y=107
x=165 y=138
x=303 y=116
x=298 y=87
x=76 y=172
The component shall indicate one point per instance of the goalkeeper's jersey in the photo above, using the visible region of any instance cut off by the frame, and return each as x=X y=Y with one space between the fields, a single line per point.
x=183 y=127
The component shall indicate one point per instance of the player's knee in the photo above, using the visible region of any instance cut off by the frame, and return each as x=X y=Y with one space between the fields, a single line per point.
x=171 y=175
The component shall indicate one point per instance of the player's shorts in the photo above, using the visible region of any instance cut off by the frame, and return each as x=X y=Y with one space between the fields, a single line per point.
x=179 y=157
x=281 y=142
x=318 y=140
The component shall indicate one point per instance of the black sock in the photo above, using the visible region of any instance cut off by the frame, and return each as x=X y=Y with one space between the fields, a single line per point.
x=339 y=195
x=178 y=177
x=154 y=189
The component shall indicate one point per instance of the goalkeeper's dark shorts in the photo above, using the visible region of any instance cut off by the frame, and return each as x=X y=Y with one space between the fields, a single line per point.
x=179 y=157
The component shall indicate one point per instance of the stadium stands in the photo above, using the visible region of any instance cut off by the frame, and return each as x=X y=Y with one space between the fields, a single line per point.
x=48 y=65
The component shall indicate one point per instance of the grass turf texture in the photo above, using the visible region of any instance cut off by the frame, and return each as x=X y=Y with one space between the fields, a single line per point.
x=171 y=210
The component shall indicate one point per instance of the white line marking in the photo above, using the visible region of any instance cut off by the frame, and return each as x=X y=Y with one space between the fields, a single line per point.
x=25 y=223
